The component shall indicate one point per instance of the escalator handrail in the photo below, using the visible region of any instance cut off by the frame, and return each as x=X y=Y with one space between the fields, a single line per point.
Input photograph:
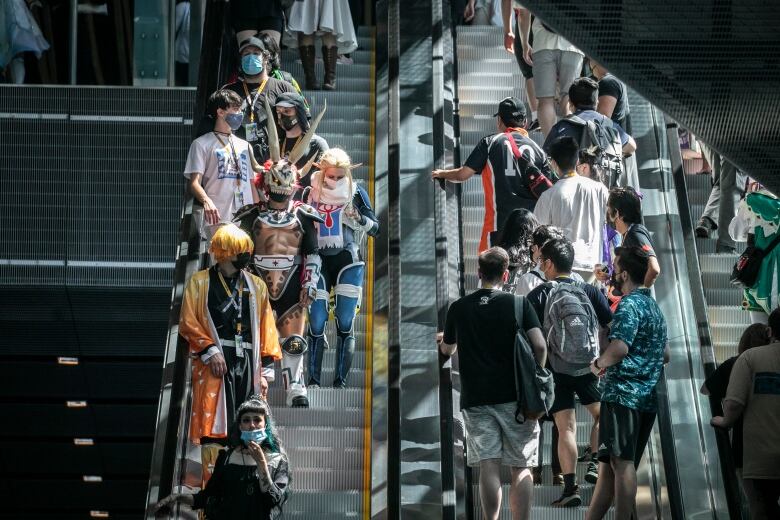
x=732 y=492
x=170 y=434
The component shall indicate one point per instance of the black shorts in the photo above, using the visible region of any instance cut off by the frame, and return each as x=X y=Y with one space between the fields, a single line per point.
x=623 y=432
x=585 y=386
x=525 y=69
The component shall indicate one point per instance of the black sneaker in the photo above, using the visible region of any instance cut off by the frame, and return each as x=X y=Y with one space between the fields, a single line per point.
x=704 y=227
x=571 y=498
x=536 y=473
x=300 y=402
x=592 y=474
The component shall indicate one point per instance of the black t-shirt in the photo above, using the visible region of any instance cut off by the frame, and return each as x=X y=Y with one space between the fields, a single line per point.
x=493 y=157
x=317 y=145
x=272 y=90
x=538 y=299
x=483 y=325
x=638 y=236
x=609 y=85
x=717 y=384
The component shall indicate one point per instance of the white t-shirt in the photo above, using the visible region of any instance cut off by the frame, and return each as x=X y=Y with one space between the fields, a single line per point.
x=578 y=206
x=227 y=184
x=545 y=40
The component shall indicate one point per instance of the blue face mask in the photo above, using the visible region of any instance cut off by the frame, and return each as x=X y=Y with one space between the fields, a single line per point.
x=257 y=436
x=252 y=64
x=234 y=120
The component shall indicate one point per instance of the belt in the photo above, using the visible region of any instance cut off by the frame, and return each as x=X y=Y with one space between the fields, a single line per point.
x=277 y=262
x=231 y=343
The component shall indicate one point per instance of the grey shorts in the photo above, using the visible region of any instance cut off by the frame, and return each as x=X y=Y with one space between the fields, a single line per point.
x=493 y=433
x=554 y=72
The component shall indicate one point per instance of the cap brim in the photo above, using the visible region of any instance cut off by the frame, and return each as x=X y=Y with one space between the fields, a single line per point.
x=497 y=114
x=284 y=104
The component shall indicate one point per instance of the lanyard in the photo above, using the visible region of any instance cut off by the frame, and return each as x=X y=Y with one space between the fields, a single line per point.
x=252 y=101
x=237 y=305
x=233 y=154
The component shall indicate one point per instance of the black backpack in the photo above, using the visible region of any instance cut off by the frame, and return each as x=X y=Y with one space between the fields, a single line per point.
x=533 y=383
x=600 y=139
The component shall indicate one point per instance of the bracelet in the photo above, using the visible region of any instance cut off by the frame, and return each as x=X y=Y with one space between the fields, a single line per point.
x=596 y=363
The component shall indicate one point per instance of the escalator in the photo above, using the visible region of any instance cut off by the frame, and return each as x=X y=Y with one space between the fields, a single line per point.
x=683 y=446
x=328 y=444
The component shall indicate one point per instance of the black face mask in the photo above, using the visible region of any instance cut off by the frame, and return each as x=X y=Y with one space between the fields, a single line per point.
x=242 y=260
x=288 y=122
x=617 y=285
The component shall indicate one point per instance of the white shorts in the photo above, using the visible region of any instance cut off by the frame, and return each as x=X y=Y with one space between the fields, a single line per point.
x=493 y=433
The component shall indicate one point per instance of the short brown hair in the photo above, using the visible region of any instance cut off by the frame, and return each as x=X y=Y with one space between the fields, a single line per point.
x=493 y=263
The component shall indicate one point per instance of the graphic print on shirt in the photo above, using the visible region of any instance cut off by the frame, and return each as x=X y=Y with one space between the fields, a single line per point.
x=330 y=233
x=226 y=167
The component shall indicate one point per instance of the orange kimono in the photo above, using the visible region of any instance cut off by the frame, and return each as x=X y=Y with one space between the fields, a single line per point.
x=209 y=412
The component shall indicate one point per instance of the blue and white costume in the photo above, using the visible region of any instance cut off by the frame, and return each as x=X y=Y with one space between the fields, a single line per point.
x=347 y=216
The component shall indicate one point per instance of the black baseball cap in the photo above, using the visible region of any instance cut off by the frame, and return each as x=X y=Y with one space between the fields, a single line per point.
x=511 y=109
x=251 y=42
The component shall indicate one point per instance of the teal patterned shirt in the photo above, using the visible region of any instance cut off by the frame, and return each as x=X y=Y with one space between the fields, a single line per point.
x=638 y=323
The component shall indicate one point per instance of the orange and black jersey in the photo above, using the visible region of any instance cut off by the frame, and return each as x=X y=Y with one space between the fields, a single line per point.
x=507 y=180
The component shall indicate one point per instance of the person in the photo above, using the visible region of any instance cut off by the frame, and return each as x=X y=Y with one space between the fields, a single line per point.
x=535 y=277
x=251 y=475
x=19 y=34
x=220 y=166
x=717 y=383
x=583 y=96
x=332 y=21
x=613 y=96
x=631 y=367
x=728 y=186
x=513 y=168
x=582 y=314
x=512 y=28
x=293 y=117
x=286 y=254
x=181 y=42
x=228 y=323
x=275 y=63
x=758 y=222
x=555 y=62
x=516 y=241
x=346 y=217
x=624 y=214
x=753 y=394
x=577 y=205
x=255 y=87
x=482 y=327
x=250 y=17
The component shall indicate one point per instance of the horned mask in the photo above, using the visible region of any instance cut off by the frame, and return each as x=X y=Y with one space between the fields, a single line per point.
x=281 y=174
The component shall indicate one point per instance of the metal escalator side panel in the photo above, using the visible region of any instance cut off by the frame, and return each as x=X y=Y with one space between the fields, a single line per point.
x=682 y=418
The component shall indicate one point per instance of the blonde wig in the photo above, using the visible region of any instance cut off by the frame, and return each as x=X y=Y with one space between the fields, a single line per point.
x=336 y=158
x=230 y=241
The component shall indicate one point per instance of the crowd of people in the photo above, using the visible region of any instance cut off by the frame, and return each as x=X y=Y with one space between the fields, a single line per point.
x=284 y=221
x=566 y=265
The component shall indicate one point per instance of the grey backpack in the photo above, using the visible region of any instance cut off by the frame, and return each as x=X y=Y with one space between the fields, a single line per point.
x=571 y=327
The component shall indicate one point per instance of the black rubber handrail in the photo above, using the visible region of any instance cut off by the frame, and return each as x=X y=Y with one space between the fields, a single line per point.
x=216 y=59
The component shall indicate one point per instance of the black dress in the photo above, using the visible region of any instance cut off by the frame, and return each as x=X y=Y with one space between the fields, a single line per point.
x=233 y=491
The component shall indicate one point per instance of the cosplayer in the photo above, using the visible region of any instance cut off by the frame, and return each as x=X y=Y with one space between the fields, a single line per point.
x=251 y=475
x=226 y=318
x=347 y=216
x=285 y=254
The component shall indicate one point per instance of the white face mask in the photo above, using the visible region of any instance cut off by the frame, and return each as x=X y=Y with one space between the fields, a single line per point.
x=333 y=184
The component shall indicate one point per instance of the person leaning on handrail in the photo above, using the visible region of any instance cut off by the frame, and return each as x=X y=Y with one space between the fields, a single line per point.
x=251 y=475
